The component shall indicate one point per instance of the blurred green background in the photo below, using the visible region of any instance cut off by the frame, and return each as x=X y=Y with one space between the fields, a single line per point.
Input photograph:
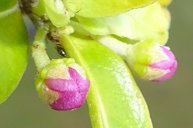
x=170 y=103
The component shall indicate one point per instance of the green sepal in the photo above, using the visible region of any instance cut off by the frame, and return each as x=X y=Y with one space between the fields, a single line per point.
x=139 y=56
x=13 y=50
x=114 y=100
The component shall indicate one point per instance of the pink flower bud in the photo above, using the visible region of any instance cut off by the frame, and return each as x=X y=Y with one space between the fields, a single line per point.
x=152 y=61
x=168 y=66
x=63 y=85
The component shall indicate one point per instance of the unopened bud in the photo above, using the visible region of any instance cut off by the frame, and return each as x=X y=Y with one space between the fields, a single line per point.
x=63 y=84
x=152 y=61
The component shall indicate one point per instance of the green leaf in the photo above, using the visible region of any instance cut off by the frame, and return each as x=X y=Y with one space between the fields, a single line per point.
x=114 y=99
x=13 y=50
x=6 y=4
x=101 y=8
x=138 y=24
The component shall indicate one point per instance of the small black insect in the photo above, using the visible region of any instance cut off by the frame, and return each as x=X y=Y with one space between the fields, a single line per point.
x=61 y=50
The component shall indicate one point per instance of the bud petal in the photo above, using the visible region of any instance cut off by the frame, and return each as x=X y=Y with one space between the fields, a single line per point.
x=152 y=61
x=169 y=66
x=63 y=84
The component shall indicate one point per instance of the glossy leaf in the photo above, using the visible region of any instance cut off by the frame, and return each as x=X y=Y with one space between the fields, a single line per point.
x=101 y=8
x=114 y=99
x=13 y=50
x=138 y=24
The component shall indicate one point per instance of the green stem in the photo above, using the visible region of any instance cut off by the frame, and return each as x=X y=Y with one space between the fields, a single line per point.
x=115 y=45
x=39 y=53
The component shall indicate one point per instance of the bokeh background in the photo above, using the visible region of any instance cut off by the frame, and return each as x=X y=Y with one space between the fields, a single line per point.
x=170 y=103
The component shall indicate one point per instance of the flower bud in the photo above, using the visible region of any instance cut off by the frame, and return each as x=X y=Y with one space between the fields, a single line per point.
x=63 y=84
x=151 y=61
